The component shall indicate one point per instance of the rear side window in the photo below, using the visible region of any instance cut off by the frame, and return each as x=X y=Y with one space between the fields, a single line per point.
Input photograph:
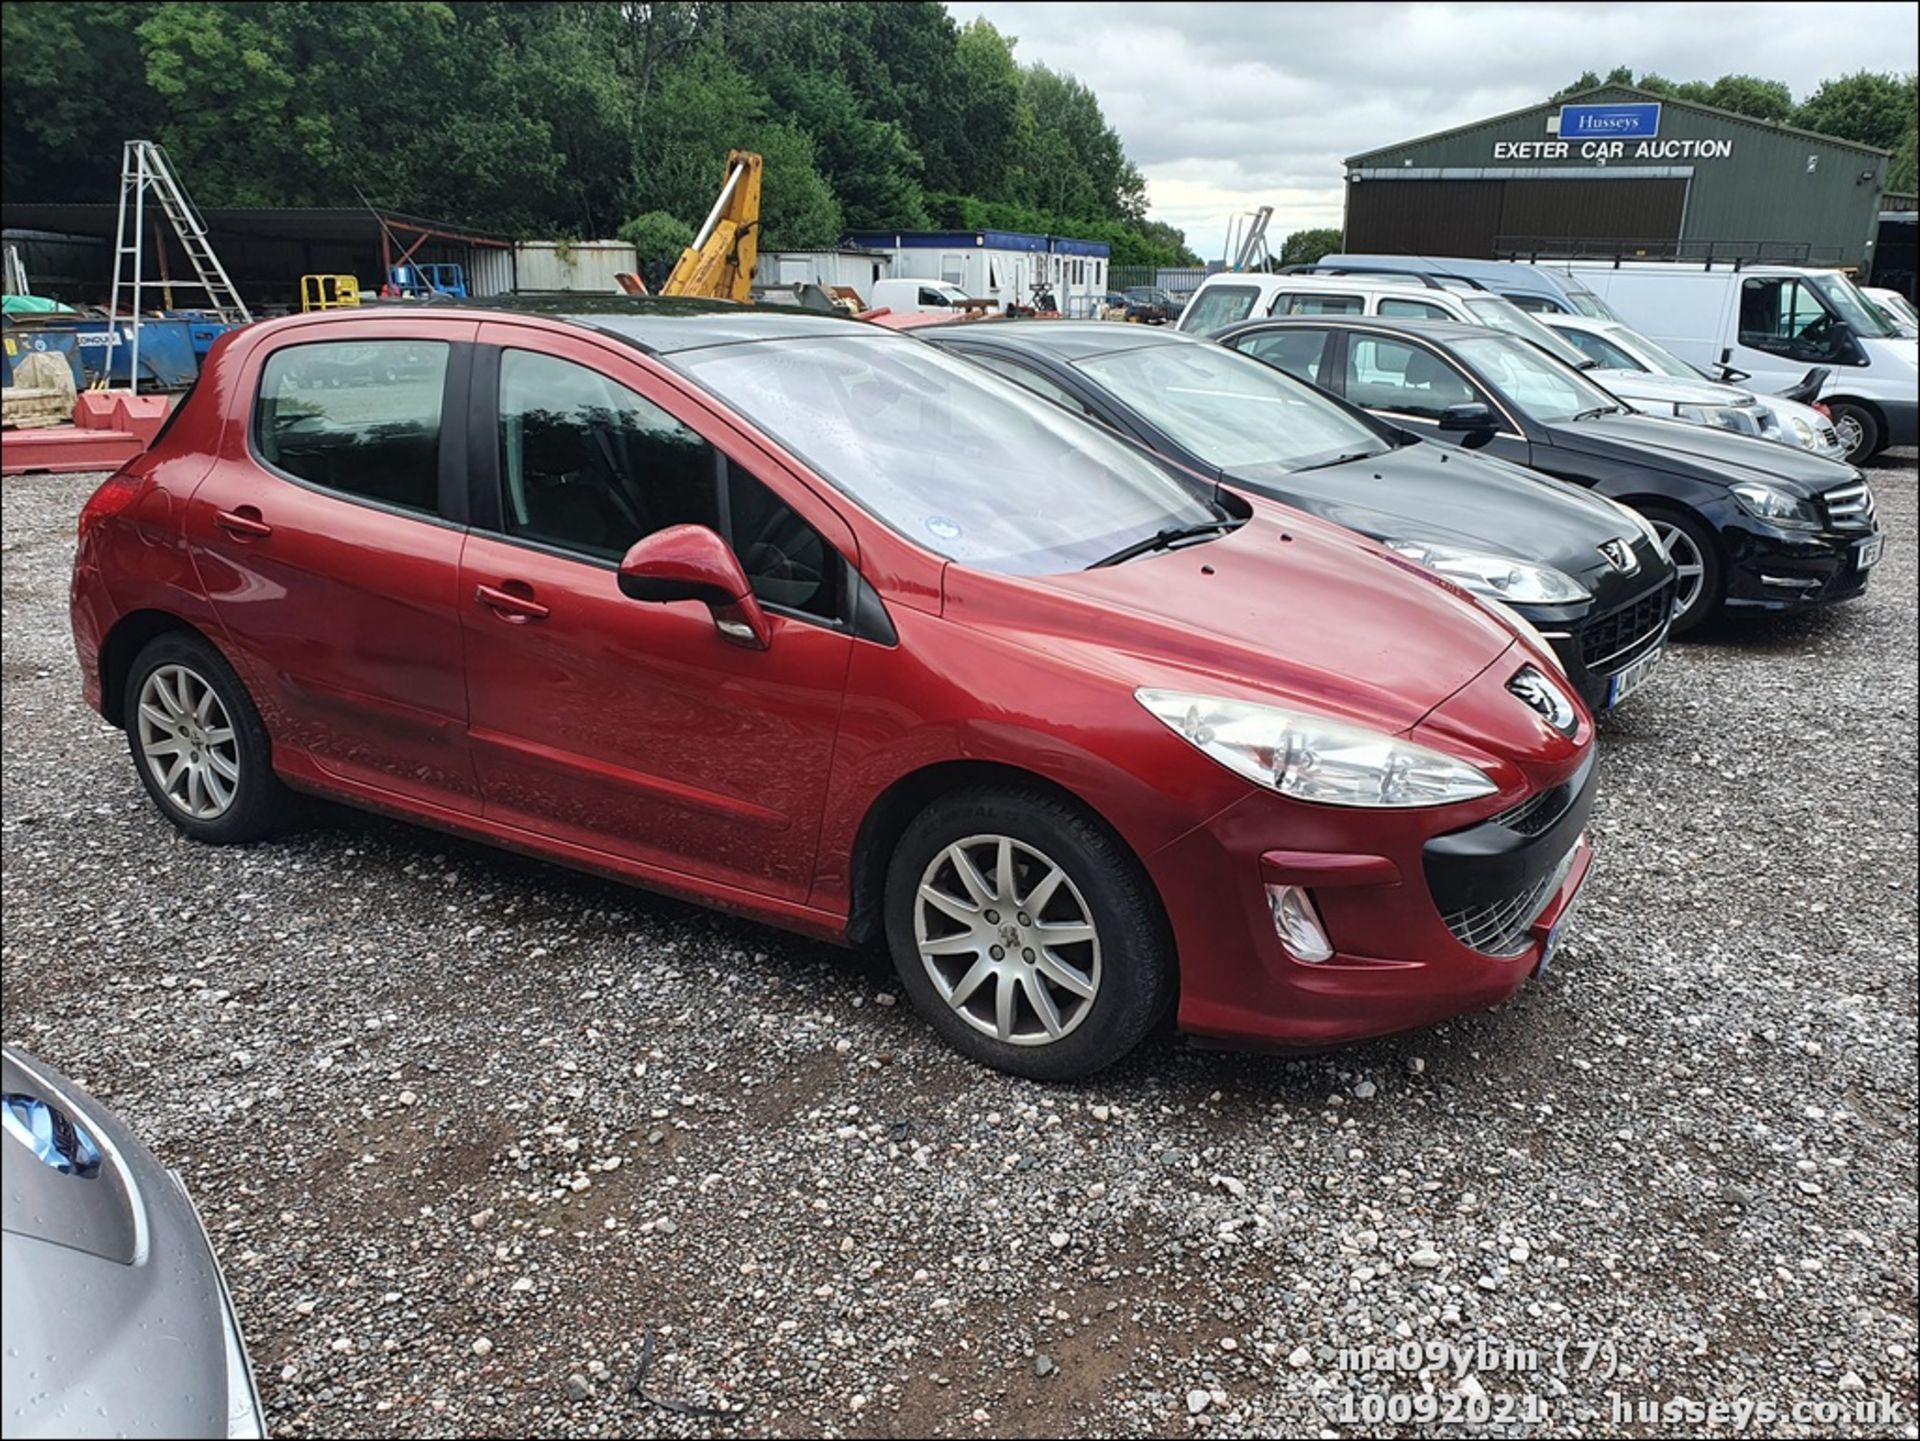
x=1414 y=309
x=1217 y=307
x=1316 y=304
x=358 y=417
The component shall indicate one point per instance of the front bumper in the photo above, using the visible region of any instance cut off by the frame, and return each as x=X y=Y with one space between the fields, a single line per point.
x=1772 y=568
x=1617 y=632
x=1406 y=916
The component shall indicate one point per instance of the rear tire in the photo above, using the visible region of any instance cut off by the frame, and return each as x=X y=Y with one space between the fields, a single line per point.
x=199 y=745
x=1859 y=431
x=1043 y=950
x=1695 y=553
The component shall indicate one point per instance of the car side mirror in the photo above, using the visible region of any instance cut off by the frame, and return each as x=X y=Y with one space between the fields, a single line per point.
x=691 y=562
x=1472 y=416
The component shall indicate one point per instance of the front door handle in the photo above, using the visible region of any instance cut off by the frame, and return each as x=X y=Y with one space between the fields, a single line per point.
x=243 y=523
x=515 y=605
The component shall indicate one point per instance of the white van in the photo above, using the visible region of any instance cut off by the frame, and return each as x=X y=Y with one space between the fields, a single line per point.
x=1774 y=322
x=914 y=297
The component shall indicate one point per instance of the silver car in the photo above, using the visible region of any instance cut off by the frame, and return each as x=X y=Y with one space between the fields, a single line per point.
x=116 y=1320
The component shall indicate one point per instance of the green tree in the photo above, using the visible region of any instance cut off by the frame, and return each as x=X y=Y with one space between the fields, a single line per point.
x=59 y=138
x=1742 y=94
x=1075 y=164
x=1900 y=171
x=1864 y=107
x=994 y=129
x=1304 y=247
x=657 y=236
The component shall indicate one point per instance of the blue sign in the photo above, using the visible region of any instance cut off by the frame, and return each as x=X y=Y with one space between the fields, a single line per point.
x=1608 y=122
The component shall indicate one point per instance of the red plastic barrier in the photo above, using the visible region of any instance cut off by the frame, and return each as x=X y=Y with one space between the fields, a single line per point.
x=109 y=429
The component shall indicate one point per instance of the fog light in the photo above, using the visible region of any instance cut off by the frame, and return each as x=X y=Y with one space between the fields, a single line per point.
x=1297 y=923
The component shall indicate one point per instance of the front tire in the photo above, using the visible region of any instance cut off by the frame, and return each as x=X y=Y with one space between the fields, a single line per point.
x=1695 y=554
x=1859 y=431
x=1027 y=933
x=198 y=744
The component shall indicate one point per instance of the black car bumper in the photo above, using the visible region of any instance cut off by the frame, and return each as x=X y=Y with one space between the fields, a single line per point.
x=1774 y=568
x=1903 y=421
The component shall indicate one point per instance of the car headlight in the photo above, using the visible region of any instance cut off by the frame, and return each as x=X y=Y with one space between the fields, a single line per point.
x=1494 y=577
x=1767 y=502
x=1315 y=758
x=1804 y=433
x=1720 y=417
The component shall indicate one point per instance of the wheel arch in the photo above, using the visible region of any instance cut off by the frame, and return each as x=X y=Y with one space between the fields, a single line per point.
x=893 y=810
x=129 y=636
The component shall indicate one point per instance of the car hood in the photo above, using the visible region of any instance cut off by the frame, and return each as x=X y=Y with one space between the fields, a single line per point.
x=1701 y=452
x=1674 y=389
x=1285 y=609
x=1435 y=492
x=115 y=1313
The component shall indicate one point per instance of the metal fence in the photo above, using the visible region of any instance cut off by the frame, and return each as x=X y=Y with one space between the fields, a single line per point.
x=1178 y=283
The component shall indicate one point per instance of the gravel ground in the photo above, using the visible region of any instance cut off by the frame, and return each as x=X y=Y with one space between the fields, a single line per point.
x=473 y=1134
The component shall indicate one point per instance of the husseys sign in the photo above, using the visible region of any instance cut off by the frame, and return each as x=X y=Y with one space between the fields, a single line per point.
x=1610 y=132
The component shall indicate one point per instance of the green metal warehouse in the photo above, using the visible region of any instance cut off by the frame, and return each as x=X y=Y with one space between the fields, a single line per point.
x=1618 y=171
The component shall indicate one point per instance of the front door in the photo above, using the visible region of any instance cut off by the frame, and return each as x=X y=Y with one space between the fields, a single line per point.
x=328 y=537
x=1412 y=386
x=626 y=727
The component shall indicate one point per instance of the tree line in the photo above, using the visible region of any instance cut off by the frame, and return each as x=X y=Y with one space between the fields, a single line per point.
x=1866 y=108
x=573 y=119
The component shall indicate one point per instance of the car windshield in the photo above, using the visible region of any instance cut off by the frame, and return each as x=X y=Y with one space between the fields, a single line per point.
x=1897 y=307
x=958 y=460
x=1851 y=306
x=1497 y=314
x=1236 y=413
x=1534 y=383
x=1654 y=356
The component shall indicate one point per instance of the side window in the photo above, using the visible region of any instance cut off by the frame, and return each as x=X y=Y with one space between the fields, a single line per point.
x=1416 y=309
x=358 y=417
x=933 y=298
x=1784 y=316
x=1393 y=375
x=588 y=465
x=1536 y=304
x=1032 y=379
x=1286 y=303
x=1297 y=352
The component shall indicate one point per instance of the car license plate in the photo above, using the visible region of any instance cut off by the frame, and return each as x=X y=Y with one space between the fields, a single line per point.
x=1868 y=551
x=1558 y=930
x=1629 y=680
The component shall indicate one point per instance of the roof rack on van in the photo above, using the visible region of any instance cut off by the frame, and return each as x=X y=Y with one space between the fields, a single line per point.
x=1425 y=277
x=1733 y=255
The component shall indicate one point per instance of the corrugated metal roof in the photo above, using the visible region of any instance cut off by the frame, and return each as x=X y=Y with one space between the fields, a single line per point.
x=1625 y=92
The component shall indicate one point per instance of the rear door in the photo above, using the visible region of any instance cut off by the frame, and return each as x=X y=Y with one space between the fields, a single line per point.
x=621 y=726
x=328 y=538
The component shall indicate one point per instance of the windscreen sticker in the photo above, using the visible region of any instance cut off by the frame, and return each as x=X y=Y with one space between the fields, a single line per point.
x=943 y=528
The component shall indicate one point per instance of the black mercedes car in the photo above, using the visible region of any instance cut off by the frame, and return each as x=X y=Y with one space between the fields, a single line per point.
x=1588 y=574
x=1751 y=526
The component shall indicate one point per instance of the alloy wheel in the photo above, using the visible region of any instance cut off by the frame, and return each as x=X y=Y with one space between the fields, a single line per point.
x=187 y=740
x=1687 y=561
x=1007 y=939
x=1851 y=432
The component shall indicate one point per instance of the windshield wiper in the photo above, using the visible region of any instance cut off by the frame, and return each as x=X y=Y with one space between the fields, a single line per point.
x=1165 y=539
x=1339 y=460
x=1601 y=410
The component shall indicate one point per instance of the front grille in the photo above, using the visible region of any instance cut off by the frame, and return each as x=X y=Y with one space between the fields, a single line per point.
x=1536 y=814
x=1829 y=437
x=1500 y=928
x=1850 y=507
x=1616 y=638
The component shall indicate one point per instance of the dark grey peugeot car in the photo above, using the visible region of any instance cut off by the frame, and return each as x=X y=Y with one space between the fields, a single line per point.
x=1590 y=575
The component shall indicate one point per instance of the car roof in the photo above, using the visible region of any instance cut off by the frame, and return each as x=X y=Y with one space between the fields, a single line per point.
x=657 y=324
x=1066 y=340
x=1441 y=330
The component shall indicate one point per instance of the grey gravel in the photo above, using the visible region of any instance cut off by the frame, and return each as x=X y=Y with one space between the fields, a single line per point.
x=468 y=1130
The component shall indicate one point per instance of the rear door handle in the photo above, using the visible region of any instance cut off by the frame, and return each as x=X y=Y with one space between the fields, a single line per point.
x=510 y=605
x=243 y=524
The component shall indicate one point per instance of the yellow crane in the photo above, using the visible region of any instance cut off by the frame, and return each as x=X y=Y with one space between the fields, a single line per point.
x=719 y=263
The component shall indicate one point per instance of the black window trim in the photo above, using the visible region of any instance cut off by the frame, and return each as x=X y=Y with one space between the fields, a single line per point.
x=488 y=508
x=450 y=487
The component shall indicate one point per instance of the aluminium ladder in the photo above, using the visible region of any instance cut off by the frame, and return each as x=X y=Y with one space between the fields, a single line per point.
x=144 y=168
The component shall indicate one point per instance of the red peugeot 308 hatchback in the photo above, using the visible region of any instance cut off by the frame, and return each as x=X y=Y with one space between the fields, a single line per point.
x=790 y=615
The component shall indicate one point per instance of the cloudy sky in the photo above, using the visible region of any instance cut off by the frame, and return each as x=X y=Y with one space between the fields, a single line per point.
x=1226 y=106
